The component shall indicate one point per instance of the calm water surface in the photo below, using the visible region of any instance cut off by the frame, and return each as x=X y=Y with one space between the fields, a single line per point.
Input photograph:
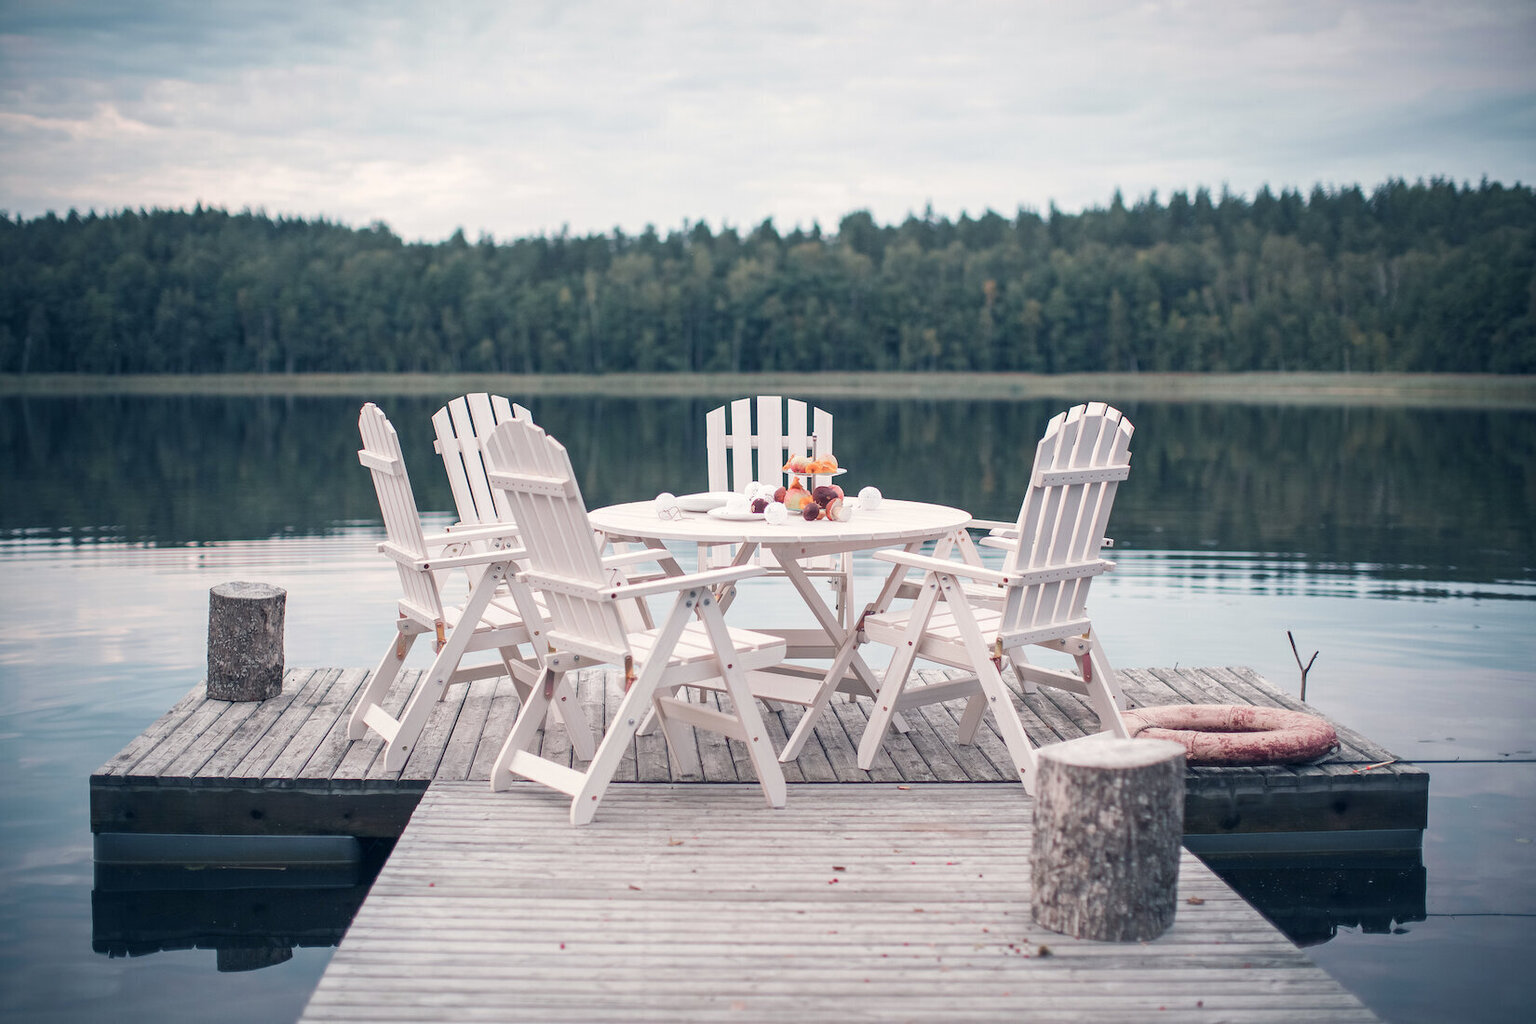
x=1397 y=543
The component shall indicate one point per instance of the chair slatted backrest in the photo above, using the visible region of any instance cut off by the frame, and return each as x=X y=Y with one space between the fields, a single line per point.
x=402 y=525
x=740 y=452
x=462 y=427
x=1079 y=464
x=534 y=472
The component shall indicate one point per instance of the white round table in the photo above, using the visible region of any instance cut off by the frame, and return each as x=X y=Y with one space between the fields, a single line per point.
x=908 y=524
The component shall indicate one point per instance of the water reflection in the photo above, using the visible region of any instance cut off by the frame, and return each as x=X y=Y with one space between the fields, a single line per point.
x=1383 y=493
x=250 y=916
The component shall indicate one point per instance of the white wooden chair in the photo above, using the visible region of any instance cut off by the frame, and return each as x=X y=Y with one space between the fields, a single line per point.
x=462 y=427
x=970 y=617
x=494 y=617
x=740 y=451
x=584 y=628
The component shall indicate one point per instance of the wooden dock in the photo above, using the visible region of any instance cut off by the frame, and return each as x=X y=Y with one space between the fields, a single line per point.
x=878 y=902
x=285 y=766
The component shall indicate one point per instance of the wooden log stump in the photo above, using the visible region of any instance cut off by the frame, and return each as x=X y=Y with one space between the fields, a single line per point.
x=245 y=641
x=1109 y=819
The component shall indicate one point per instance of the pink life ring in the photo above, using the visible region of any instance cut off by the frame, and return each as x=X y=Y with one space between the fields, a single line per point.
x=1236 y=734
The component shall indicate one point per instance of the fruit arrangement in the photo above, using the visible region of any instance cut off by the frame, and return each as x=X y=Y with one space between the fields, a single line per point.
x=811 y=464
x=823 y=502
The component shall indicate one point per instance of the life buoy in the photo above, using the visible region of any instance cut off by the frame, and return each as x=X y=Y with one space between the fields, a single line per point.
x=1236 y=734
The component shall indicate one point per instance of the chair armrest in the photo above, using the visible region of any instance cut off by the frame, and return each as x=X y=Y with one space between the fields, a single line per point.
x=628 y=591
x=997 y=526
x=460 y=533
x=451 y=561
x=623 y=558
x=928 y=563
x=670 y=584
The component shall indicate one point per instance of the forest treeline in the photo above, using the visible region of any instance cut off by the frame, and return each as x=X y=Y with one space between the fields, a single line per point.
x=1423 y=277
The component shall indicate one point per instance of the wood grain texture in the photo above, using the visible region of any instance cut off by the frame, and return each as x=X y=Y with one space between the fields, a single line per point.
x=853 y=903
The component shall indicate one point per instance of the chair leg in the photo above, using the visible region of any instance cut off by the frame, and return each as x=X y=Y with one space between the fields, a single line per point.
x=823 y=697
x=970 y=721
x=1103 y=691
x=435 y=682
x=621 y=732
x=382 y=679
x=1008 y=724
x=759 y=749
x=565 y=707
x=680 y=739
x=614 y=744
x=530 y=718
x=568 y=706
x=897 y=673
x=998 y=697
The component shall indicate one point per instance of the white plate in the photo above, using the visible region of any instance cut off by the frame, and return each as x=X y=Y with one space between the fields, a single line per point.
x=725 y=513
x=703 y=502
x=805 y=472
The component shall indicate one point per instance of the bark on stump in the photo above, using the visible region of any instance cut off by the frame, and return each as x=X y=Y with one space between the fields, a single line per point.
x=245 y=641
x=1109 y=819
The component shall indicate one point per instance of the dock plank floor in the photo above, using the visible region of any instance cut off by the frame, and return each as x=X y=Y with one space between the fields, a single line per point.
x=873 y=902
x=278 y=766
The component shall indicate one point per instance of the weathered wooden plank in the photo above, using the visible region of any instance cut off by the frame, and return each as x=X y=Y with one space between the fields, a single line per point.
x=468 y=728
x=263 y=720
x=433 y=741
x=220 y=731
x=253 y=764
x=812 y=764
x=332 y=744
x=498 y=726
x=652 y=762
x=948 y=758
x=123 y=762
x=715 y=750
x=871 y=902
x=854 y=718
x=173 y=744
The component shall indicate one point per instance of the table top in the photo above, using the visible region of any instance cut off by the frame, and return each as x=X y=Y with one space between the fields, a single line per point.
x=893 y=522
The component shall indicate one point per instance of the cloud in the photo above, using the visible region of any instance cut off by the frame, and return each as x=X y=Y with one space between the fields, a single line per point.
x=517 y=119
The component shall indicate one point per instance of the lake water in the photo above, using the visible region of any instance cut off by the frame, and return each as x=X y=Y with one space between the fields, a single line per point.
x=1398 y=543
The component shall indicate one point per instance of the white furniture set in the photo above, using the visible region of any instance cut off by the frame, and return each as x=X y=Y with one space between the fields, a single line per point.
x=541 y=592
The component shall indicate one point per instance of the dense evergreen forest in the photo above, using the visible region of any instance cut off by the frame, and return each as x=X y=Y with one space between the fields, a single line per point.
x=1407 y=277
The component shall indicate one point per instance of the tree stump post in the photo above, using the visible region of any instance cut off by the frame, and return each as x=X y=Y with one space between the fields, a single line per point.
x=1109 y=820
x=245 y=641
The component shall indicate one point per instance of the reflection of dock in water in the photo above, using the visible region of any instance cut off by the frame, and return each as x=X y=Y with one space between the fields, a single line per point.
x=253 y=906
x=1313 y=847
x=1309 y=885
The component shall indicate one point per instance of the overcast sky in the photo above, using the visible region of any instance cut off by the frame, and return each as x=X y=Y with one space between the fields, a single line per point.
x=521 y=118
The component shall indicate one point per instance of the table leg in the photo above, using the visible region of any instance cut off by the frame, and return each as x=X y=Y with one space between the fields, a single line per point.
x=846 y=642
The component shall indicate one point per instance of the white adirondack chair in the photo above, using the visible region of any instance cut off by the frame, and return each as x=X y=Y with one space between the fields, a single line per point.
x=740 y=452
x=584 y=628
x=970 y=617
x=462 y=427
x=494 y=617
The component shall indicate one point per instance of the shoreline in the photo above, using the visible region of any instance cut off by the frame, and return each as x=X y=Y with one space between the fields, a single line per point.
x=1390 y=389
